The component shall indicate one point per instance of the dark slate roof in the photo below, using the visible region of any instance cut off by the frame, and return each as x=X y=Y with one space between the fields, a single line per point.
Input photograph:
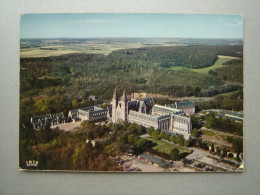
x=91 y=113
x=133 y=105
x=171 y=105
x=87 y=108
x=237 y=114
x=153 y=159
x=148 y=101
x=58 y=115
x=35 y=119
x=92 y=110
x=149 y=104
x=74 y=111
x=183 y=105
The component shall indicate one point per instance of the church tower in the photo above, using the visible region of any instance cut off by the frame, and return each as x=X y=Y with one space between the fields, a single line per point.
x=124 y=107
x=114 y=106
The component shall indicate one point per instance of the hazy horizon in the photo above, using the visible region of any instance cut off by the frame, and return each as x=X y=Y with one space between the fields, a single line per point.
x=135 y=25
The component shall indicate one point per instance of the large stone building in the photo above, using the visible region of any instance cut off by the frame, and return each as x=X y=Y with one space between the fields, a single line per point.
x=91 y=113
x=187 y=107
x=144 y=112
x=47 y=119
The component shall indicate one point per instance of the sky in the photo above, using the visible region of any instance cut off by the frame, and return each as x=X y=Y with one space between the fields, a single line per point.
x=130 y=25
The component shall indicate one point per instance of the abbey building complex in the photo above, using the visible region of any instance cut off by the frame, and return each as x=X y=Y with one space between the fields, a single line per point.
x=172 y=118
x=169 y=118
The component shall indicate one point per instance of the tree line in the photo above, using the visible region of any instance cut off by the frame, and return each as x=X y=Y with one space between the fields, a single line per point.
x=223 y=124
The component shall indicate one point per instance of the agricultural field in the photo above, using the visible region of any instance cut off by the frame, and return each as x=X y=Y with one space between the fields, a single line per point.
x=89 y=48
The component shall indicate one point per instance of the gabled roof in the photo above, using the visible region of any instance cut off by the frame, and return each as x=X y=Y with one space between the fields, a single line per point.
x=35 y=119
x=58 y=115
x=183 y=105
x=153 y=159
x=148 y=101
x=87 y=108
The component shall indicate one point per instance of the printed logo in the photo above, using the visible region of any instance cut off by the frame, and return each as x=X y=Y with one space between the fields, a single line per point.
x=32 y=163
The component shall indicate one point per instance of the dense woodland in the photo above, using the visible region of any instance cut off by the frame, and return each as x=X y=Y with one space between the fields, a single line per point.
x=233 y=101
x=58 y=84
x=58 y=150
x=136 y=70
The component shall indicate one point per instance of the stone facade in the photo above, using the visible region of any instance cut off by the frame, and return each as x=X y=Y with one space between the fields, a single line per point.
x=91 y=113
x=144 y=112
x=47 y=119
x=157 y=122
x=187 y=107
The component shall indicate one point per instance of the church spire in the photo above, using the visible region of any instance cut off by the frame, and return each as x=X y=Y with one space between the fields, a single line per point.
x=115 y=96
x=124 y=96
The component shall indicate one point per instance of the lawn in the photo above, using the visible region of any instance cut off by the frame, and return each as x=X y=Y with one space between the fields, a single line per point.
x=210 y=133
x=218 y=64
x=165 y=147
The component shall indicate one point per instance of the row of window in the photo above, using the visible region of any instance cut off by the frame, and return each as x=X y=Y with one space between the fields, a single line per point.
x=142 y=122
x=99 y=114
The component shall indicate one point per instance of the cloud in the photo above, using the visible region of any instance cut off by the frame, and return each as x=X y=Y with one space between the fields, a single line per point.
x=93 y=21
x=235 y=24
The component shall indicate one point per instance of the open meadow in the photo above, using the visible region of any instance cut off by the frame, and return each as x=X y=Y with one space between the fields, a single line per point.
x=88 y=47
x=218 y=64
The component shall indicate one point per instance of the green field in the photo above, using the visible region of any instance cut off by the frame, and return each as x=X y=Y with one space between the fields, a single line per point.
x=165 y=147
x=210 y=133
x=218 y=64
x=180 y=68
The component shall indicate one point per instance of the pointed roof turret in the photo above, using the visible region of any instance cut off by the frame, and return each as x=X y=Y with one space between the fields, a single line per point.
x=115 y=96
x=124 y=96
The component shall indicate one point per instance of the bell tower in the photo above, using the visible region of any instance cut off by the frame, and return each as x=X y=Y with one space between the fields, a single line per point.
x=124 y=107
x=114 y=106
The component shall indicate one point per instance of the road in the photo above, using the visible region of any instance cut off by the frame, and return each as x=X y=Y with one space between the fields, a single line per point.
x=206 y=157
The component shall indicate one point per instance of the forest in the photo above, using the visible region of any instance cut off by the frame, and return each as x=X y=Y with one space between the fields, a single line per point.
x=136 y=70
x=58 y=150
x=60 y=83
